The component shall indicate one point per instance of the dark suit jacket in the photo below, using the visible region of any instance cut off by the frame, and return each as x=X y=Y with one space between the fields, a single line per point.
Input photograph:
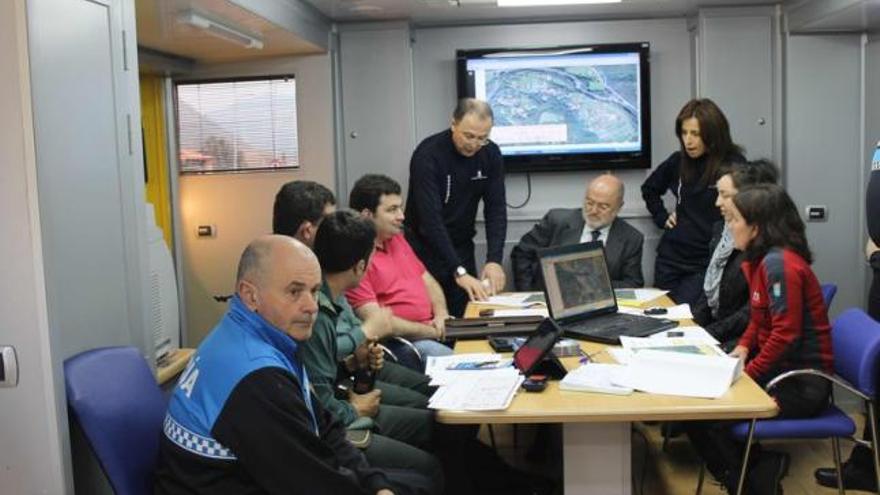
x=564 y=226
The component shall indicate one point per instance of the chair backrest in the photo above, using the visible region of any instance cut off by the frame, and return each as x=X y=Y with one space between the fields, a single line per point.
x=828 y=293
x=855 y=337
x=403 y=352
x=115 y=398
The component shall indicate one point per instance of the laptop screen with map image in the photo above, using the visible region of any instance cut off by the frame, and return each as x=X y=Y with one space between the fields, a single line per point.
x=581 y=298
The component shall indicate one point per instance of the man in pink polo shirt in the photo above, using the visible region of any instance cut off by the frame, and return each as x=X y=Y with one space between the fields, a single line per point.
x=396 y=278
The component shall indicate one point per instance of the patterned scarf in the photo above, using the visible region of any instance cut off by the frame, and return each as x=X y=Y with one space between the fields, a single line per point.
x=715 y=270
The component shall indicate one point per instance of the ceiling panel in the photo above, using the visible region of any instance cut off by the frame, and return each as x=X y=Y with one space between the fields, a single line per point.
x=429 y=12
x=825 y=16
x=159 y=29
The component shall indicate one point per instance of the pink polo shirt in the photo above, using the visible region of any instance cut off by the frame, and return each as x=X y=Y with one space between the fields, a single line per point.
x=394 y=279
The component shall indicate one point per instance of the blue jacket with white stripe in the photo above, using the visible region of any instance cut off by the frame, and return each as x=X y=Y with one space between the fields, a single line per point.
x=242 y=420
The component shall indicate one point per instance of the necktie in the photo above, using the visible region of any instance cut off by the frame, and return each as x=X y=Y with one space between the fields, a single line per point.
x=595 y=235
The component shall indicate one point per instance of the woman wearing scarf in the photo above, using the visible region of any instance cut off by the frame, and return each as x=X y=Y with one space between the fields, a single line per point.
x=788 y=330
x=723 y=307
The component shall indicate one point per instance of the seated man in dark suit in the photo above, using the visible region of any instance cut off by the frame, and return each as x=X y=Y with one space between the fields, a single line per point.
x=596 y=221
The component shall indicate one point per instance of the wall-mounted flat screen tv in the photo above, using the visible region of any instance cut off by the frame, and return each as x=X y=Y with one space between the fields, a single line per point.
x=564 y=108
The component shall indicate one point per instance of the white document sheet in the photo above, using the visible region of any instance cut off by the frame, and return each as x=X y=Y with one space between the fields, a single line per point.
x=621 y=355
x=490 y=390
x=679 y=312
x=695 y=340
x=437 y=367
x=504 y=313
x=692 y=333
x=596 y=377
x=515 y=300
x=673 y=373
x=631 y=297
x=685 y=345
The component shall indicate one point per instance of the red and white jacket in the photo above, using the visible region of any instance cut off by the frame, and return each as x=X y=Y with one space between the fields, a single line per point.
x=788 y=328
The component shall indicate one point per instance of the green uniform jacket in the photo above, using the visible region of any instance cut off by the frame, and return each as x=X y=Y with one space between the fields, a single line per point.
x=323 y=351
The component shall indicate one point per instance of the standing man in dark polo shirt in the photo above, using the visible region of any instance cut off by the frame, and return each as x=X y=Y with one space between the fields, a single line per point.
x=449 y=174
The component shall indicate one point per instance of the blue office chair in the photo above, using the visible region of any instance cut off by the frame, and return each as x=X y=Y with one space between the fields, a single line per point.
x=828 y=293
x=855 y=338
x=114 y=397
x=403 y=352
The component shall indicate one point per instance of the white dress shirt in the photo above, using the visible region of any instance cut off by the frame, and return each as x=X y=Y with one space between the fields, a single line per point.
x=587 y=236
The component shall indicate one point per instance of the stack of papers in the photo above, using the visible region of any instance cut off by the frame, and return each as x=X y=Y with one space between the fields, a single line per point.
x=689 y=375
x=596 y=377
x=491 y=391
x=691 y=365
x=438 y=367
x=472 y=382
x=694 y=340
x=681 y=345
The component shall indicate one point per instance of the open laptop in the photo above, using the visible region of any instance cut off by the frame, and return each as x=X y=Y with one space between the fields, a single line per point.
x=580 y=297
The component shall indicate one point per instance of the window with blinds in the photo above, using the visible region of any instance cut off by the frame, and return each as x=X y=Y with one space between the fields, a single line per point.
x=237 y=125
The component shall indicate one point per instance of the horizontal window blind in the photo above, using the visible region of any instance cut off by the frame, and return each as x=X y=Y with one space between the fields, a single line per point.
x=237 y=125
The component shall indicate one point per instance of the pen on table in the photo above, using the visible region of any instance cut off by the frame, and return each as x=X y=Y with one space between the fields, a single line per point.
x=585 y=358
x=477 y=364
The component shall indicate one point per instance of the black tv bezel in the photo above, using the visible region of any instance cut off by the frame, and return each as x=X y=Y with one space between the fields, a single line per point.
x=555 y=162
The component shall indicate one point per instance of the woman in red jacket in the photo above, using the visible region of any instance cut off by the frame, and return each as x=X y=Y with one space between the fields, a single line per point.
x=788 y=329
x=789 y=326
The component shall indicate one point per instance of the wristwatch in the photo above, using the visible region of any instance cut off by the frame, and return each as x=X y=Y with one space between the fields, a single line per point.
x=460 y=272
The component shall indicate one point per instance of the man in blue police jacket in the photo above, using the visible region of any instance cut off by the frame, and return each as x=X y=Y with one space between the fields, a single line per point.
x=242 y=418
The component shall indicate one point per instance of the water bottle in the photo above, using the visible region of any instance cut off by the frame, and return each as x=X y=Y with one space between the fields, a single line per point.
x=364 y=379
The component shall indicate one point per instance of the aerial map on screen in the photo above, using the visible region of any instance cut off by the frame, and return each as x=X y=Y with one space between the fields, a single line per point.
x=562 y=104
x=582 y=281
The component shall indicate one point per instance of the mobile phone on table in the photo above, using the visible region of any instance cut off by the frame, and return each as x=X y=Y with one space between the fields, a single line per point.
x=535 y=383
x=501 y=344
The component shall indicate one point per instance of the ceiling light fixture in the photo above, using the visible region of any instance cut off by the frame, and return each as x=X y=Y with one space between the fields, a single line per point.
x=547 y=3
x=220 y=30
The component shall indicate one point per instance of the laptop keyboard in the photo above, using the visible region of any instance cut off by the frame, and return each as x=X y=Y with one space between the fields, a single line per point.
x=613 y=325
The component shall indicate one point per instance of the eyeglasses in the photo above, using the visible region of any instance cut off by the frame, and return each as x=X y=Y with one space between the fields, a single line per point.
x=602 y=207
x=473 y=138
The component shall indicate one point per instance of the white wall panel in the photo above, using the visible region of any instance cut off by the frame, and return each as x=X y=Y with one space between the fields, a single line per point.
x=823 y=149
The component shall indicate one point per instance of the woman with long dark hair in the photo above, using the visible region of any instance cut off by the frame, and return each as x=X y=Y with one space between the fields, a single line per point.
x=690 y=175
x=788 y=329
x=723 y=306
